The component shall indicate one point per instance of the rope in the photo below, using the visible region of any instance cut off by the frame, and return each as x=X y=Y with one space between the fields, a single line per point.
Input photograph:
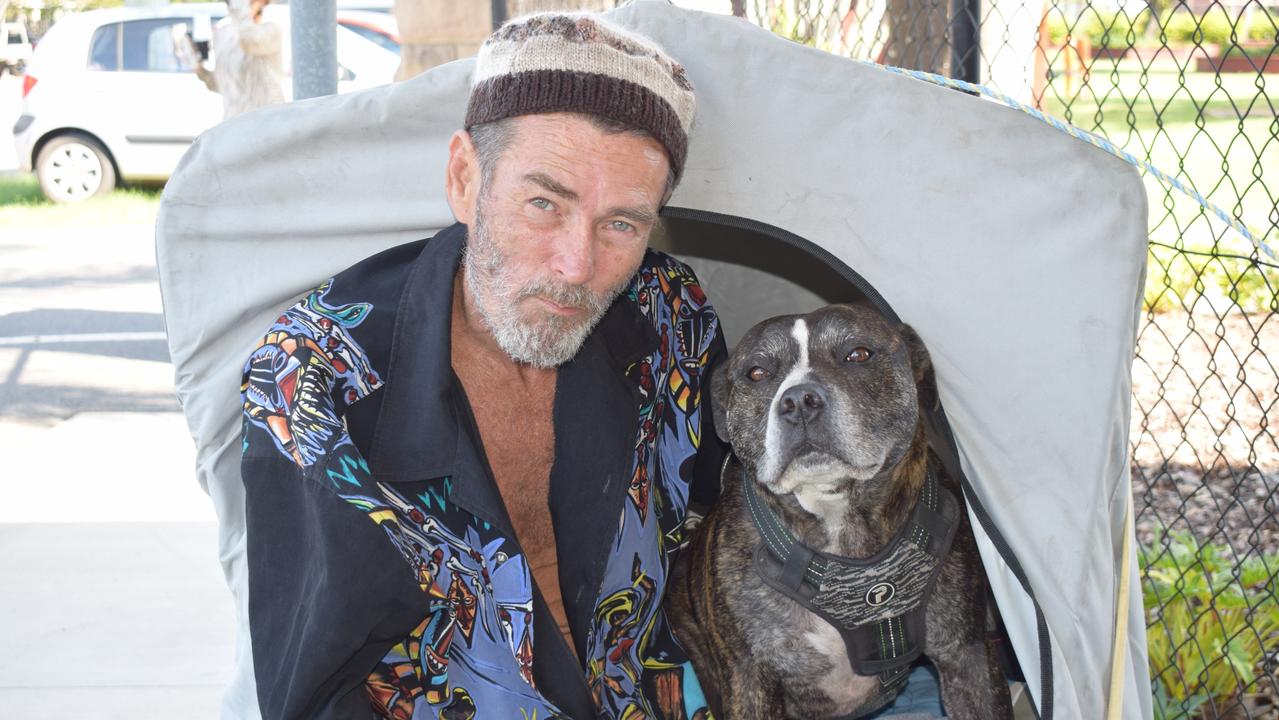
x=1091 y=139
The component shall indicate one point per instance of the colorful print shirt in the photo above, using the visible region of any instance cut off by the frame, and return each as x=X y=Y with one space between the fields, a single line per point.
x=385 y=579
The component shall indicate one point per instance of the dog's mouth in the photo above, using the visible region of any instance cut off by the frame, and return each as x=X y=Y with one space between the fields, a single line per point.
x=811 y=466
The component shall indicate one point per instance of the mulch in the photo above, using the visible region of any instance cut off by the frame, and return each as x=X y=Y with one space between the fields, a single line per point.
x=1205 y=428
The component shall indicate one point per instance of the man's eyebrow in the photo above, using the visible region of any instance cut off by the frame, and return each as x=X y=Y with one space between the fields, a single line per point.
x=636 y=215
x=550 y=184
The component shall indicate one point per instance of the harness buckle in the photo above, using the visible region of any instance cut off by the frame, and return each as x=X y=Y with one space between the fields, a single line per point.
x=796 y=566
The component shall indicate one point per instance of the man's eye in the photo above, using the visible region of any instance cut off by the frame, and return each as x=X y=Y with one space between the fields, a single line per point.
x=541 y=203
x=621 y=226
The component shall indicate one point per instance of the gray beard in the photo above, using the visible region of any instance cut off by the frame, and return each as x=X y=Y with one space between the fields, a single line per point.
x=546 y=341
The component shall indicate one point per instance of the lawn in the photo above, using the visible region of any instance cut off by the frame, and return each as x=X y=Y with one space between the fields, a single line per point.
x=23 y=206
x=1215 y=133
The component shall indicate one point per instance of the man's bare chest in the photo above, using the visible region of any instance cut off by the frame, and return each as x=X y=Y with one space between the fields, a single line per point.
x=518 y=437
x=519 y=441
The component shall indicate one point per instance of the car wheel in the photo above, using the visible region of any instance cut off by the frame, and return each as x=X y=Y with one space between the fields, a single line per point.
x=72 y=168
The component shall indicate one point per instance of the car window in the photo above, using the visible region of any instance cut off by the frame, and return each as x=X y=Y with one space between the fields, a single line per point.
x=104 y=50
x=369 y=33
x=149 y=45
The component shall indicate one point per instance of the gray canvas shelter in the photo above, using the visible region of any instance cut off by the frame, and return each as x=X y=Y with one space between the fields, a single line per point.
x=1017 y=252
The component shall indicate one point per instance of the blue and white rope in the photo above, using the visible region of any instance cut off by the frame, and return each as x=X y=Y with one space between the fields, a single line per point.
x=1089 y=138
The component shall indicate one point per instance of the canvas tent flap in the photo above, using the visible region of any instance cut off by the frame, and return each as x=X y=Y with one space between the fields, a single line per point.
x=1016 y=251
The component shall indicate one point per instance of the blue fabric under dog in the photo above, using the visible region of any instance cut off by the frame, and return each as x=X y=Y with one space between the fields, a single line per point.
x=919 y=700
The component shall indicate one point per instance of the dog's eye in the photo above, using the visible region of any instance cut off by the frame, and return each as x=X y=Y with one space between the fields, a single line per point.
x=859 y=355
x=757 y=373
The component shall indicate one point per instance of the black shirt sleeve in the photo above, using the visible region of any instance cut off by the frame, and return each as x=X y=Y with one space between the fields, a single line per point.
x=328 y=595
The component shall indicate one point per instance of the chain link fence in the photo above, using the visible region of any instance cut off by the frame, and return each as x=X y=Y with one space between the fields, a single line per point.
x=1191 y=88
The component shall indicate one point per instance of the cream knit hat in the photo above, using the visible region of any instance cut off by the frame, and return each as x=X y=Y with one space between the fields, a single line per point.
x=575 y=62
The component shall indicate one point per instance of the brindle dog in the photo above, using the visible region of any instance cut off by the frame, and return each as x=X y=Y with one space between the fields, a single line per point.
x=824 y=413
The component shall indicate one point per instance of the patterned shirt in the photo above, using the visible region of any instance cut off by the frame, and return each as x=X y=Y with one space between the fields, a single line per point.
x=385 y=579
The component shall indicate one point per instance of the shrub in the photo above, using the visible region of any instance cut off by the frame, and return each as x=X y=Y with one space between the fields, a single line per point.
x=1176 y=278
x=1057 y=29
x=1213 y=27
x=1106 y=29
x=1262 y=26
x=1211 y=623
x=1216 y=26
x=1180 y=27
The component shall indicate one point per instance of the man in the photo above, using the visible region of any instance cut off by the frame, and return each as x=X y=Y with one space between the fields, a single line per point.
x=468 y=459
x=249 y=60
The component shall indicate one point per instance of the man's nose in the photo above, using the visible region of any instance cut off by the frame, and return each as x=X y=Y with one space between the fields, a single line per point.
x=801 y=403
x=574 y=256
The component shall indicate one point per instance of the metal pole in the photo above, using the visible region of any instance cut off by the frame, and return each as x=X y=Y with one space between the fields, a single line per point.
x=314 y=42
x=965 y=36
x=499 y=13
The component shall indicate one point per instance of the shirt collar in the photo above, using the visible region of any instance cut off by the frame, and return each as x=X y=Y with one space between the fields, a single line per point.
x=419 y=423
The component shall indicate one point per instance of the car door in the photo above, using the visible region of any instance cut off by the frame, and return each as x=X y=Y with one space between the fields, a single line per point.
x=165 y=105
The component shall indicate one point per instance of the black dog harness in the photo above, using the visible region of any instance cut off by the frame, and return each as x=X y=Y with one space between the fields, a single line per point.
x=876 y=604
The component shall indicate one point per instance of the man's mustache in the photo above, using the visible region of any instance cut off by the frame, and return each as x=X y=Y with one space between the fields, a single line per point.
x=574 y=296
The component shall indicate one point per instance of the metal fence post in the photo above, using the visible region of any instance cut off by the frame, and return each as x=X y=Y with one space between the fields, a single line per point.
x=314 y=44
x=499 y=13
x=965 y=46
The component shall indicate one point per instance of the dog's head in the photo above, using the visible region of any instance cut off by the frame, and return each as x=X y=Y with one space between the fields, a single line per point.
x=827 y=399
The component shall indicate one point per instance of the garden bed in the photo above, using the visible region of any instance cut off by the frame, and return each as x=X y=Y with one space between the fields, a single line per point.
x=1181 y=54
x=1248 y=57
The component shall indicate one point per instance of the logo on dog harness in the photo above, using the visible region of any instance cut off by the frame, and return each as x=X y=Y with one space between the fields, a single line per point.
x=880 y=594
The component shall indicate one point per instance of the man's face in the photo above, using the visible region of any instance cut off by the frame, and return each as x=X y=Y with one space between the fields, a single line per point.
x=559 y=229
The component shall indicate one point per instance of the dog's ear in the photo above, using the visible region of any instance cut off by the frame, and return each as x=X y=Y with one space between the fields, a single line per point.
x=718 y=398
x=921 y=363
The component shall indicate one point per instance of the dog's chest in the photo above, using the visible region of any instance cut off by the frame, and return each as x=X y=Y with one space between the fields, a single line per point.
x=807 y=654
x=835 y=682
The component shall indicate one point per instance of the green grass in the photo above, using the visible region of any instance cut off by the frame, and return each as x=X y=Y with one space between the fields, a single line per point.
x=22 y=206
x=1216 y=134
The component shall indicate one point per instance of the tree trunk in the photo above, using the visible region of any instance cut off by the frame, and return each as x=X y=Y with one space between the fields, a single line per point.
x=917 y=35
x=434 y=32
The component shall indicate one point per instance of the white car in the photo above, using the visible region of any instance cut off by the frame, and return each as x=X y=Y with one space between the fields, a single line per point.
x=107 y=97
x=15 y=47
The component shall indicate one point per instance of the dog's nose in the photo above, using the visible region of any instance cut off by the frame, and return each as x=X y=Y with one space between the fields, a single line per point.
x=801 y=403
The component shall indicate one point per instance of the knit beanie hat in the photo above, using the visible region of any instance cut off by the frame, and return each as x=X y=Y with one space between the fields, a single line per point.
x=575 y=62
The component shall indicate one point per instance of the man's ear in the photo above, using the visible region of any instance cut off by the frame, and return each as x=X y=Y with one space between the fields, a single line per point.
x=719 y=392
x=921 y=364
x=462 y=178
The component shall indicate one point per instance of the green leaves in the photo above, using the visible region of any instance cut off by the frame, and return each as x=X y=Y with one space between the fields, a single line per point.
x=1210 y=622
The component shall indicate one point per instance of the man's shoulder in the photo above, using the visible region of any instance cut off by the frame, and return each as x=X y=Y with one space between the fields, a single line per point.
x=669 y=294
x=323 y=354
x=669 y=281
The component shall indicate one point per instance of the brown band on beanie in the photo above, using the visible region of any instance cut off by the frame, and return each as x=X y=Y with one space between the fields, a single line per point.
x=549 y=91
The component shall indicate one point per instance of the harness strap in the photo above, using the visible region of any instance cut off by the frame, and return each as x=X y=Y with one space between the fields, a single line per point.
x=798 y=560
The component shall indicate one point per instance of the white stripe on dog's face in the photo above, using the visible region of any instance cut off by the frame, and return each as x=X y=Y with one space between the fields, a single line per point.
x=798 y=374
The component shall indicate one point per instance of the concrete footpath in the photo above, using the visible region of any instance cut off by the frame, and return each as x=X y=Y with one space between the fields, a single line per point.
x=112 y=603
